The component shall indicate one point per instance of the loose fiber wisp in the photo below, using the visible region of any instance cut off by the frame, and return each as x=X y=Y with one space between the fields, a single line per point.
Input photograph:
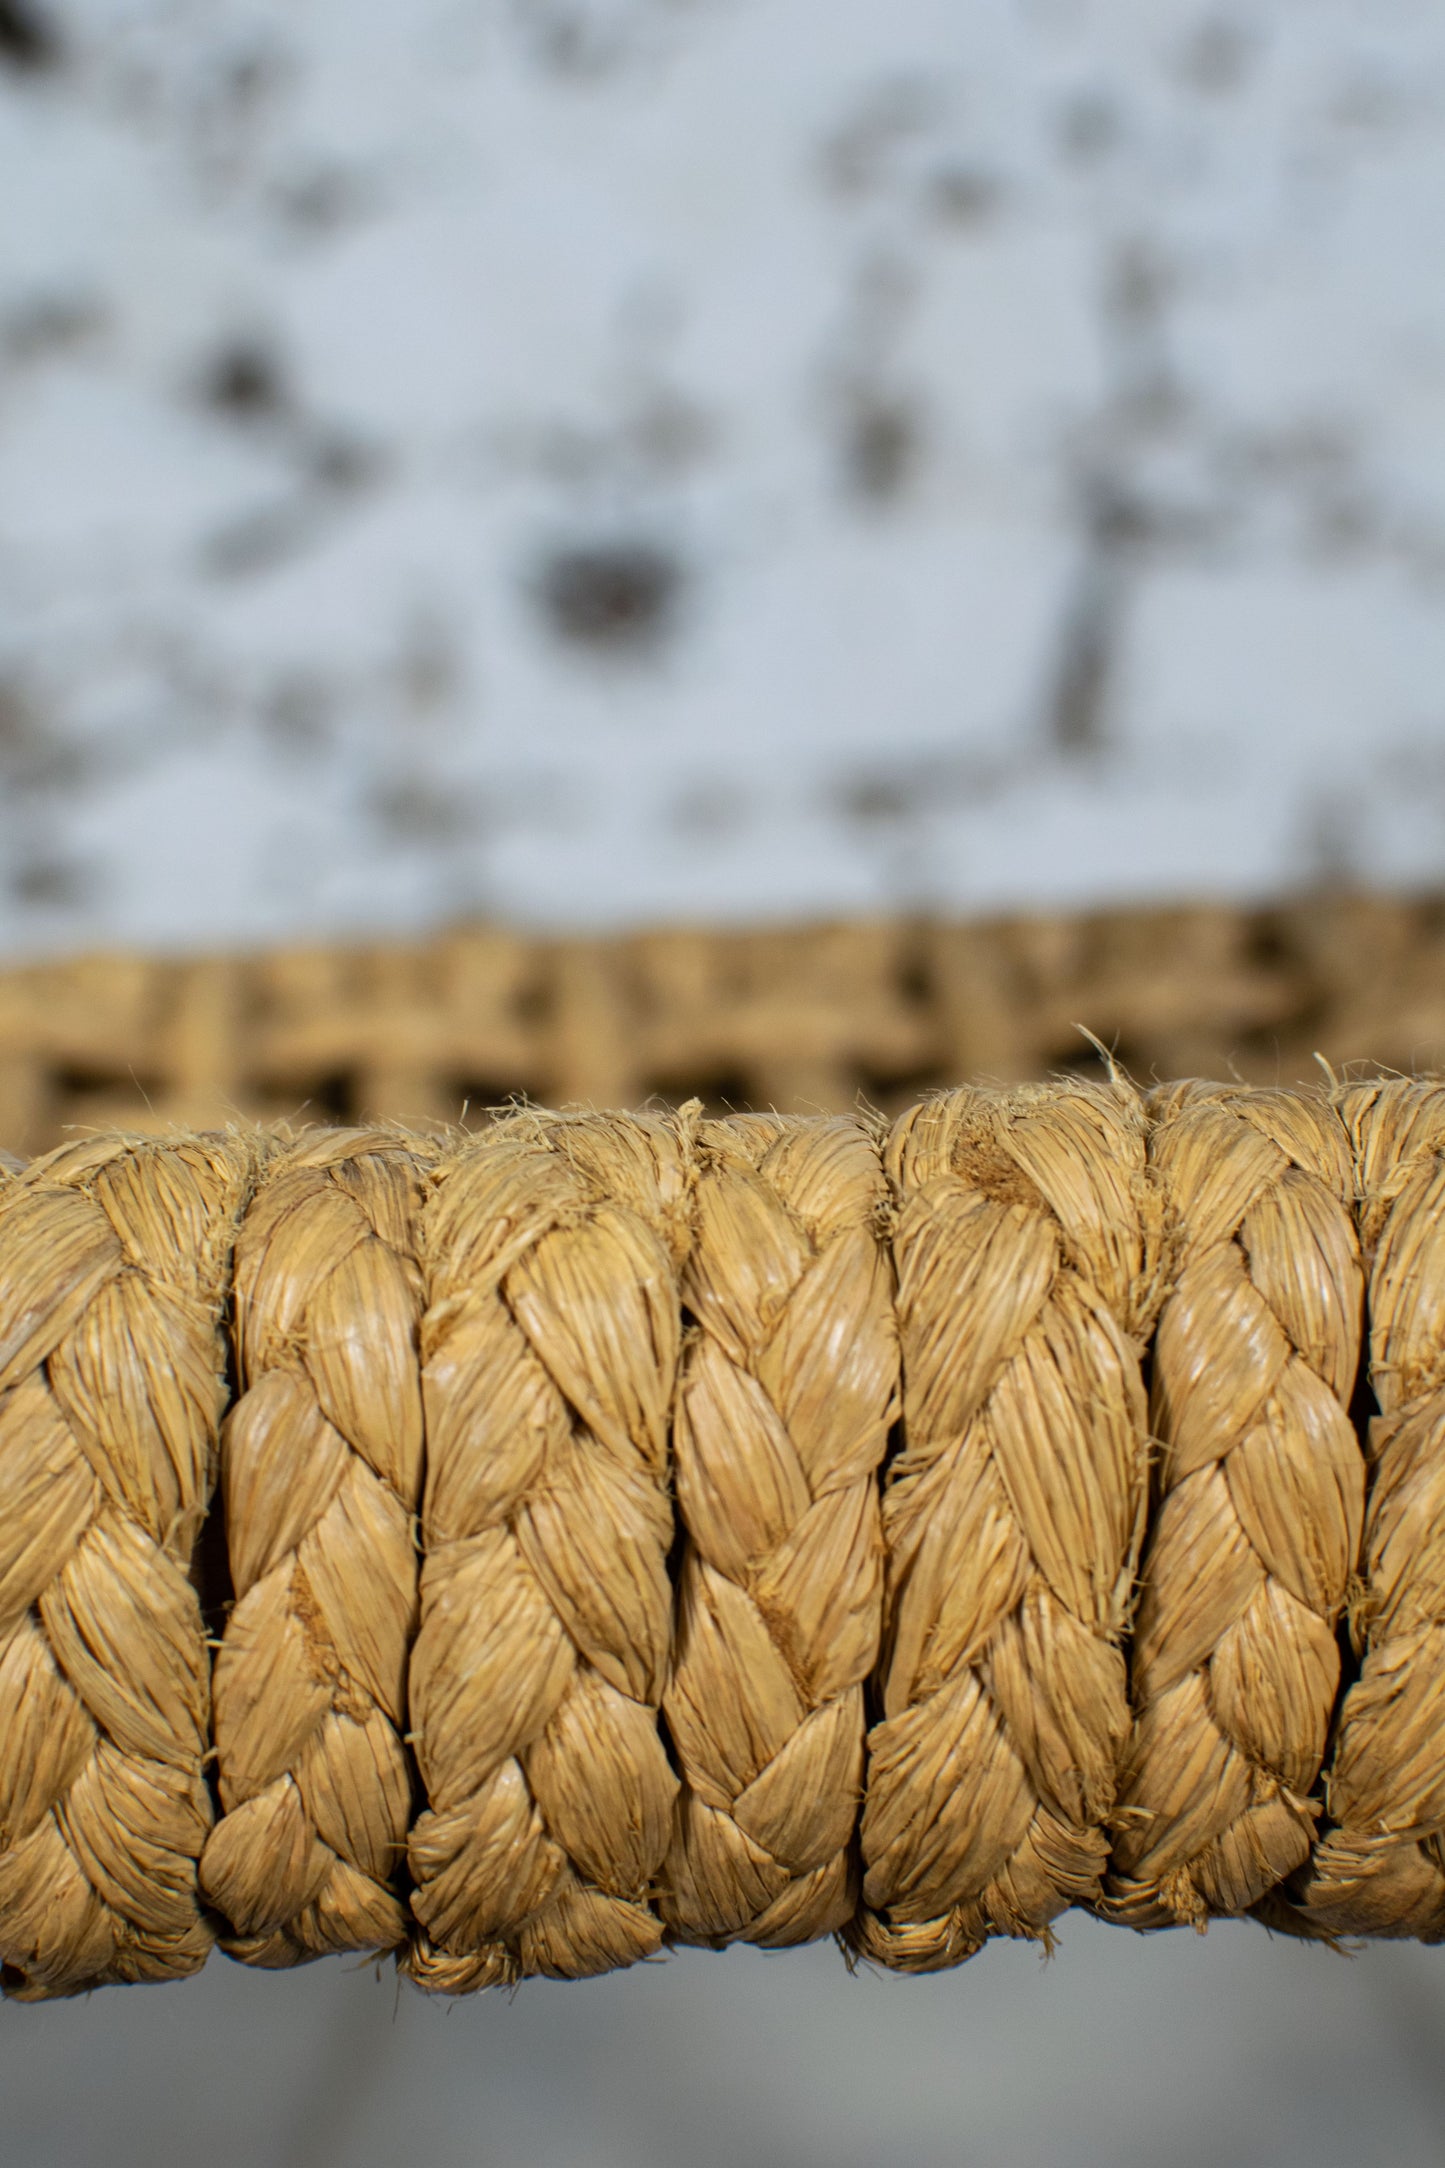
x=525 y=1550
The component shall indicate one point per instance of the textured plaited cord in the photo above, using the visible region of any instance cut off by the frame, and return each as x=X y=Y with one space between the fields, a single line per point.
x=576 y=1735
x=321 y=1469
x=550 y=1347
x=1235 y=1660
x=112 y=1382
x=788 y=1390
x=1381 y=1871
x=1027 y=1246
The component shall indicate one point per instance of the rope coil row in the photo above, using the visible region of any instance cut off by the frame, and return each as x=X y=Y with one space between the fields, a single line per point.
x=647 y=1530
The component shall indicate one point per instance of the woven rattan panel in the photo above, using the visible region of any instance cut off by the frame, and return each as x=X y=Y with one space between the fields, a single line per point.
x=801 y=1018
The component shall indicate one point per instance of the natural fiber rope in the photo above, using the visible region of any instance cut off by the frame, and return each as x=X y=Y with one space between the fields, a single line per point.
x=638 y=1373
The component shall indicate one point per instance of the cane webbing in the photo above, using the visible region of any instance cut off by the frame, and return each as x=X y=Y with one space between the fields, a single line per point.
x=795 y=1017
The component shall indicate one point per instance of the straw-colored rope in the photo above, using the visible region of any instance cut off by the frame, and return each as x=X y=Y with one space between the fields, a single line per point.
x=1027 y=1247
x=563 y=1720
x=550 y=1353
x=1382 y=1870
x=788 y=1391
x=113 y=1260
x=321 y=1466
x=1236 y=1663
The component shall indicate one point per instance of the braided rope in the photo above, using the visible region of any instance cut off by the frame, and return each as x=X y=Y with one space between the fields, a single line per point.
x=111 y=1388
x=549 y=1361
x=321 y=1468
x=914 y=1699
x=788 y=1391
x=1236 y=1664
x=1013 y=1518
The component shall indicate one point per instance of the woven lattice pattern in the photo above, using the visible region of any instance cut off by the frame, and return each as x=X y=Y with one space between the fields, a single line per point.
x=800 y=1019
x=653 y=1529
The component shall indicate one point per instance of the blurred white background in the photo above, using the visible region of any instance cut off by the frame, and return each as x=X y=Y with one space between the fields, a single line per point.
x=607 y=460
x=594 y=461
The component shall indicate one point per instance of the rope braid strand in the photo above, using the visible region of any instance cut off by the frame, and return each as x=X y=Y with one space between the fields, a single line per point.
x=549 y=1347
x=580 y=1607
x=1026 y=1245
x=1235 y=1662
x=321 y=1465
x=1381 y=1869
x=788 y=1391
x=112 y=1382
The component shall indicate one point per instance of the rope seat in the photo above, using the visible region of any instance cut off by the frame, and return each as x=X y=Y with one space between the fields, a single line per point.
x=525 y=1550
